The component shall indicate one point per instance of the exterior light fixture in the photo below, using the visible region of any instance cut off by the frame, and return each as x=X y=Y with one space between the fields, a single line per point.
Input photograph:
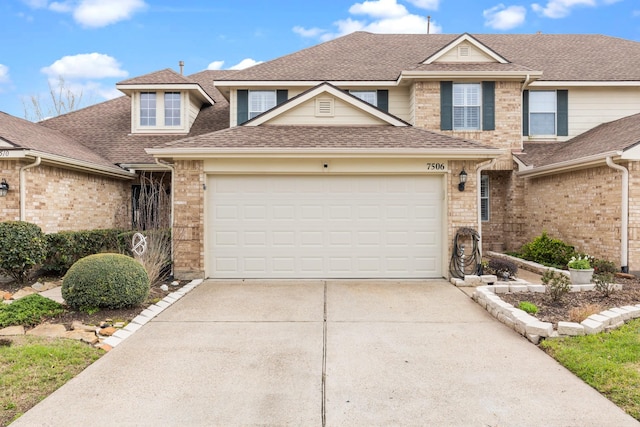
x=4 y=188
x=463 y=179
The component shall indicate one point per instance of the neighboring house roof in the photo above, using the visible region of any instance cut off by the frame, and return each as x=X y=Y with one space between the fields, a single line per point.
x=166 y=76
x=21 y=134
x=285 y=138
x=106 y=127
x=363 y=56
x=616 y=136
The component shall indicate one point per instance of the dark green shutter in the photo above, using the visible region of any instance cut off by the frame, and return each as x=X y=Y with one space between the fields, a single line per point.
x=281 y=96
x=243 y=106
x=446 y=105
x=563 y=112
x=383 y=100
x=525 y=113
x=488 y=105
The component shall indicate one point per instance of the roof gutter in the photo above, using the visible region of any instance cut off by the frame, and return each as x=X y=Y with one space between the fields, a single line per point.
x=479 y=198
x=624 y=215
x=580 y=163
x=23 y=189
x=189 y=153
x=79 y=164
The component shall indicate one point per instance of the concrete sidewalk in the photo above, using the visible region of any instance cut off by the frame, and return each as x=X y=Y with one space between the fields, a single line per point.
x=335 y=353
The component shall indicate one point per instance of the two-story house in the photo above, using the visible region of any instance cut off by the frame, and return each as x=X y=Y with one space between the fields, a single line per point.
x=364 y=156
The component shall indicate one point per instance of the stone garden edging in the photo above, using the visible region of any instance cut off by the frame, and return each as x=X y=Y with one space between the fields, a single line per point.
x=487 y=293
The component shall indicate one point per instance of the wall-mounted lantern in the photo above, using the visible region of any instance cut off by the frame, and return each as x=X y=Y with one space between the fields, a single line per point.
x=463 y=179
x=4 y=188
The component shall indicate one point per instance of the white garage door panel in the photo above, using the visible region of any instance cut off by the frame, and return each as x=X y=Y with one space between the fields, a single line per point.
x=324 y=226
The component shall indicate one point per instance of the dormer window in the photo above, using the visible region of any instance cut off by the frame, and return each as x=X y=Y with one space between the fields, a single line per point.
x=261 y=101
x=147 y=109
x=370 y=96
x=172 y=109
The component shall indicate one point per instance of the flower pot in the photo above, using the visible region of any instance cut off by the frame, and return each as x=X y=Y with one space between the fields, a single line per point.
x=581 y=277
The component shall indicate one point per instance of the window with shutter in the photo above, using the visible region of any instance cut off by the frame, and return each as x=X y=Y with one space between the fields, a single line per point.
x=467 y=103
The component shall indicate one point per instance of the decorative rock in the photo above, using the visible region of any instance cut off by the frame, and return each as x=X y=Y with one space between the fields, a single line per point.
x=108 y=331
x=615 y=317
x=518 y=288
x=489 y=278
x=634 y=311
x=48 y=330
x=105 y=347
x=6 y=296
x=592 y=326
x=23 y=293
x=459 y=282
x=175 y=283
x=118 y=325
x=570 y=328
x=599 y=318
x=37 y=286
x=544 y=329
x=164 y=288
x=501 y=289
x=76 y=325
x=535 y=339
x=626 y=315
x=12 y=330
x=84 y=336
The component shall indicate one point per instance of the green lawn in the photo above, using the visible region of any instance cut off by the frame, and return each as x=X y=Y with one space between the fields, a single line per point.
x=609 y=362
x=33 y=367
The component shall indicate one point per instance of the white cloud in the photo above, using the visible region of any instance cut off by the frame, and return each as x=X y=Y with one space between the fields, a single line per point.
x=560 y=8
x=426 y=4
x=501 y=17
x=215 y=65
x=379 y=9
x=245 y=63
x=378 y=16
x=308 y=32
x=100 y=13
x=4 y=74
x=88 y=66
x=92 y=13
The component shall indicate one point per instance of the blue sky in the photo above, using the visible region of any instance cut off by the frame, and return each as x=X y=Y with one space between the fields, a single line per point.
x=92 y=44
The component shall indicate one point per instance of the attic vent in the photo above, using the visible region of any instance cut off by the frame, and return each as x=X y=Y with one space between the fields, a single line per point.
x=463 y=51
x=324 y=107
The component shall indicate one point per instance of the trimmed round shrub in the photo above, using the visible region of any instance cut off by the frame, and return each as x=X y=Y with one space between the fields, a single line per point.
x=105 y=281
x=23 y=247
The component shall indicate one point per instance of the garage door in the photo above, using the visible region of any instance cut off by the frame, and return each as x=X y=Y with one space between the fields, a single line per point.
x=324 y=226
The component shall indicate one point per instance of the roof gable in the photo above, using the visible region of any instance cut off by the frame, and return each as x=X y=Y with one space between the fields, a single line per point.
x=357 y=107
x=465 y=48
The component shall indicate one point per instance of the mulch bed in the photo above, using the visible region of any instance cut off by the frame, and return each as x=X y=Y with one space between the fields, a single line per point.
x=570 y=305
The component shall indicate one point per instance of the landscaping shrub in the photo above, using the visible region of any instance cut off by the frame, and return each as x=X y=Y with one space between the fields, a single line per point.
x=500 y=267
x=105 y=281
x=547 y=251
x=603 y=266
x=28 y=311
x=604 y=283
x=557 y=284
x=529 y=307
x=67 y=247
x=23 y=247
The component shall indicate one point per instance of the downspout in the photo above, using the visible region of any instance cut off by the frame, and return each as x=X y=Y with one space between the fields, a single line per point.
x=624 y=215
x=173 y=176
x=479 y=197
x=23 y=189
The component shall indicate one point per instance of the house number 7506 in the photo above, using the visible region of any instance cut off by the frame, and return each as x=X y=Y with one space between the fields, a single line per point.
x=435 y=166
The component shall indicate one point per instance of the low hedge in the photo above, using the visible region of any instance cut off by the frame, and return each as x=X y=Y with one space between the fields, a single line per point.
x=22 y=248
x=67 y=247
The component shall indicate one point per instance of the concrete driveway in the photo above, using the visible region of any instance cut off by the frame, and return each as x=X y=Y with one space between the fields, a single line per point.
x=335 y=353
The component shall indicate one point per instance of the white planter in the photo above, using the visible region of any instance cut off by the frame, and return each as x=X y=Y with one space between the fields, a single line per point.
x=581 y=277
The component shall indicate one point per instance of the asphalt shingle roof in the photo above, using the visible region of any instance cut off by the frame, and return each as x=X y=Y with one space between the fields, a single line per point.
x=617 y=135
x=366 y=56
x=27 y=135
x=327 y=137
x=106 y=127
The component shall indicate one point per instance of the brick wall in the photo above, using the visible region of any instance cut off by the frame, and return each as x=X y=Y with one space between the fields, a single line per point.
x=583 y=208
x=188 y=229
x=508 y=130
x=60 y=199
x=10 y=205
